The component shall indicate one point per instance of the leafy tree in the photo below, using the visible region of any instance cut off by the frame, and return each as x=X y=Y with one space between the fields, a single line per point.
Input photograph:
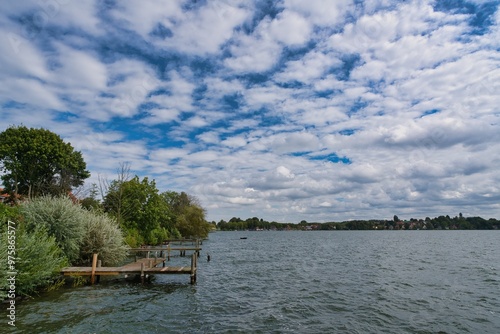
x=38 y=161
x=144 y=214
x=114 y=192
x=91 y=202
x=191 y=222
x=189 y=215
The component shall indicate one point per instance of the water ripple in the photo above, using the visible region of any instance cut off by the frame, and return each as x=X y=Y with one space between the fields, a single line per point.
x=299 y=282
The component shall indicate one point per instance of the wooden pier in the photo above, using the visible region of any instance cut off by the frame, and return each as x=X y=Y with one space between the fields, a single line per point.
x=145 y=266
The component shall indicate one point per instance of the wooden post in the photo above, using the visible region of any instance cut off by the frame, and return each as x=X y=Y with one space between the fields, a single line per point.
x=168 y=251
x=99 y=264
x=142 y=272
x=193 y=268
x=94 y=264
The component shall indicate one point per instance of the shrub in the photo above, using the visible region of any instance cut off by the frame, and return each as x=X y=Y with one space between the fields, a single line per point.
x=38 y=261
x=103 y=236
x=8 y=212
x=133 y=237
x=54 y=231
x=60 y=218
x=157 y=236
x=174 y=233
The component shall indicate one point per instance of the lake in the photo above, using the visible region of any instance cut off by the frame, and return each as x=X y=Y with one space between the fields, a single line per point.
x=298 y=282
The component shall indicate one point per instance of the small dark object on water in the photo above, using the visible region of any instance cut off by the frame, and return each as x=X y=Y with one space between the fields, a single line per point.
x=208 y=257
x=243 y=237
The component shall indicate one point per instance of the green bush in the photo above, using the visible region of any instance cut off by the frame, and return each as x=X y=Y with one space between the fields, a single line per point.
x=158 y=235
x=103 y=236
x=77 y=231
x=61 y=219
x=174 y=233
x=54 y=233
x=8 y=212
x=38 y=261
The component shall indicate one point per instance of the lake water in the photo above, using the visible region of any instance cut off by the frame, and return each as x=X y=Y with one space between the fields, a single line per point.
x=298 y=282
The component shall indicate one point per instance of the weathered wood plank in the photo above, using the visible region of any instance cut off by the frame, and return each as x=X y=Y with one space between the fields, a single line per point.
x=94 y=265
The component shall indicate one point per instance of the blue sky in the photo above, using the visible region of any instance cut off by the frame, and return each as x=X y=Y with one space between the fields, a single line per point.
x=284 y=110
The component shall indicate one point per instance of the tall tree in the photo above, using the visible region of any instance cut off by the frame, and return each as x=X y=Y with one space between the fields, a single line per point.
x=38 y=161
x=189 y=214
x=114 y=192
x=142 y=211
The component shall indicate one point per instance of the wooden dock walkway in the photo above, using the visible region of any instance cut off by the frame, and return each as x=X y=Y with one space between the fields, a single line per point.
x=143 y=266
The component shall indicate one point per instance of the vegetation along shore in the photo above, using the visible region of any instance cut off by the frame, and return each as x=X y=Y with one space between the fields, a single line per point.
x=438 y=223
x=48 y=227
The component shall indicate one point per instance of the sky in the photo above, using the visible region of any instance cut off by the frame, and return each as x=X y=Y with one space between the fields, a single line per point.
x=290 y=110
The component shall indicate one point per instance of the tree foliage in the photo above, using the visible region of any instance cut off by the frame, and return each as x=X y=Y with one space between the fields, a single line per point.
x=38 y=161
x=189 y=214
x=439 y=223
x=143 y=212
x=149 y=217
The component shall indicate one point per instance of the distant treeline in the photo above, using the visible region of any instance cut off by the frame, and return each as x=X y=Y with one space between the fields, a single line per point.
x=439 y=223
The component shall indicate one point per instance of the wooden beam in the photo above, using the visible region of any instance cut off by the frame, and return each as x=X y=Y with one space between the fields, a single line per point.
x=94 y=265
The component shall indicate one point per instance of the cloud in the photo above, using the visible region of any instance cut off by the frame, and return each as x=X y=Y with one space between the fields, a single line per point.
x=261 y=50
x=321 y=12
x=289 y=28
x=312 y=66
x=253 y=54
x=79 y=70
x=167 y=25
x=29 y=91
x=44 y=15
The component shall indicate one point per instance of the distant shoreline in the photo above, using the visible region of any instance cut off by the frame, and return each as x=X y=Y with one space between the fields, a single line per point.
x=427 y=224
